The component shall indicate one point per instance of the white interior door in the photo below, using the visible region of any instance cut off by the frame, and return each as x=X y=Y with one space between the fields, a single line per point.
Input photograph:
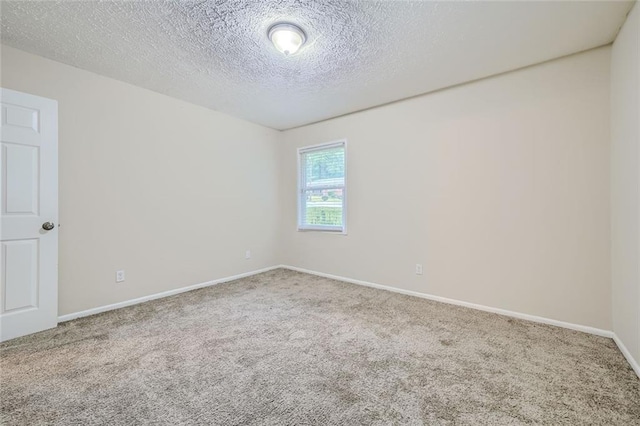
x=29 y=214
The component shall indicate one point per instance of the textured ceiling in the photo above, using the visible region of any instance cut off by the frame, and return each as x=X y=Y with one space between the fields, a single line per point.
x=358 y=54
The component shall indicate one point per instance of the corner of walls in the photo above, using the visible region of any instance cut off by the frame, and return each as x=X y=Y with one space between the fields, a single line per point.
x=628 y=356
x=283 y=195
x=625 y=186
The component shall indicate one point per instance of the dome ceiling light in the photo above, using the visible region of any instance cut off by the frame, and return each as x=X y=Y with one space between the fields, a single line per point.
x=287 y=38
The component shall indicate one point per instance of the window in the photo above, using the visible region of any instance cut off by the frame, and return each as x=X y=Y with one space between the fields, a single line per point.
x=322 y=192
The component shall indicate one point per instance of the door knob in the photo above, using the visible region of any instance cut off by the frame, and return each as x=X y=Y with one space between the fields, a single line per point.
x=48 y=226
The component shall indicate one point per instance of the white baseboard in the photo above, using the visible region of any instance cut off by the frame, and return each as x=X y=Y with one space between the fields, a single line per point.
x=143 y=299
x=542 y=320
x=534 y=318
x=634 y=364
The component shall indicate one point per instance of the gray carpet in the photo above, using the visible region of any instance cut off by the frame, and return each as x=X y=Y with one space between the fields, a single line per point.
x=289 y=348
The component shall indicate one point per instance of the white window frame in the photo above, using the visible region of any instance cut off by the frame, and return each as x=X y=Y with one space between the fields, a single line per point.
x=342 y=230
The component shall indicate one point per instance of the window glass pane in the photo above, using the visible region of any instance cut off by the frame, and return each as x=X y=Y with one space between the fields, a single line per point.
x=324 y=167
x=322 y=188
x=323 y=207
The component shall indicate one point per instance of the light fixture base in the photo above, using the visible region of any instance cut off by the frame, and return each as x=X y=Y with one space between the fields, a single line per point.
x=287 y=37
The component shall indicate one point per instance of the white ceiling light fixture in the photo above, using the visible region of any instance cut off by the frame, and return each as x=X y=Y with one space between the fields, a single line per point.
x=287 y=38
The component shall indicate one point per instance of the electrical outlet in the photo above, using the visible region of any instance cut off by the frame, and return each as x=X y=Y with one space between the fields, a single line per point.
x=119 y=276
x=418 y=269
x=247 y=254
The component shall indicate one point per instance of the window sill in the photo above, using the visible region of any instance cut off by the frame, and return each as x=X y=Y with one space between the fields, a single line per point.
x=324 y=231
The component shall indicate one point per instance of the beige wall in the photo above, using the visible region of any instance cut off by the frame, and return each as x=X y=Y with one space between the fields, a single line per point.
x=500 y=188
x=170 y=192
x=625 y=183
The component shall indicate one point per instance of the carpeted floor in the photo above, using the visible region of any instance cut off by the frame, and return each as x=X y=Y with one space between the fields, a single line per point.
x=289 y=348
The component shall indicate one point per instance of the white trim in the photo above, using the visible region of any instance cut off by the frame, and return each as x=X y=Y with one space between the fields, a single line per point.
x=542 y=320
x=627 y=354
x=345 y=191
x=318 y=228
x=534 y=318
x=322 y=146
x=143 y=299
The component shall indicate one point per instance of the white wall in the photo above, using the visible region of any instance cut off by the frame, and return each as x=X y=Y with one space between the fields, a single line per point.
x=168 y=191
x=500 y=188
x=625 y=183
